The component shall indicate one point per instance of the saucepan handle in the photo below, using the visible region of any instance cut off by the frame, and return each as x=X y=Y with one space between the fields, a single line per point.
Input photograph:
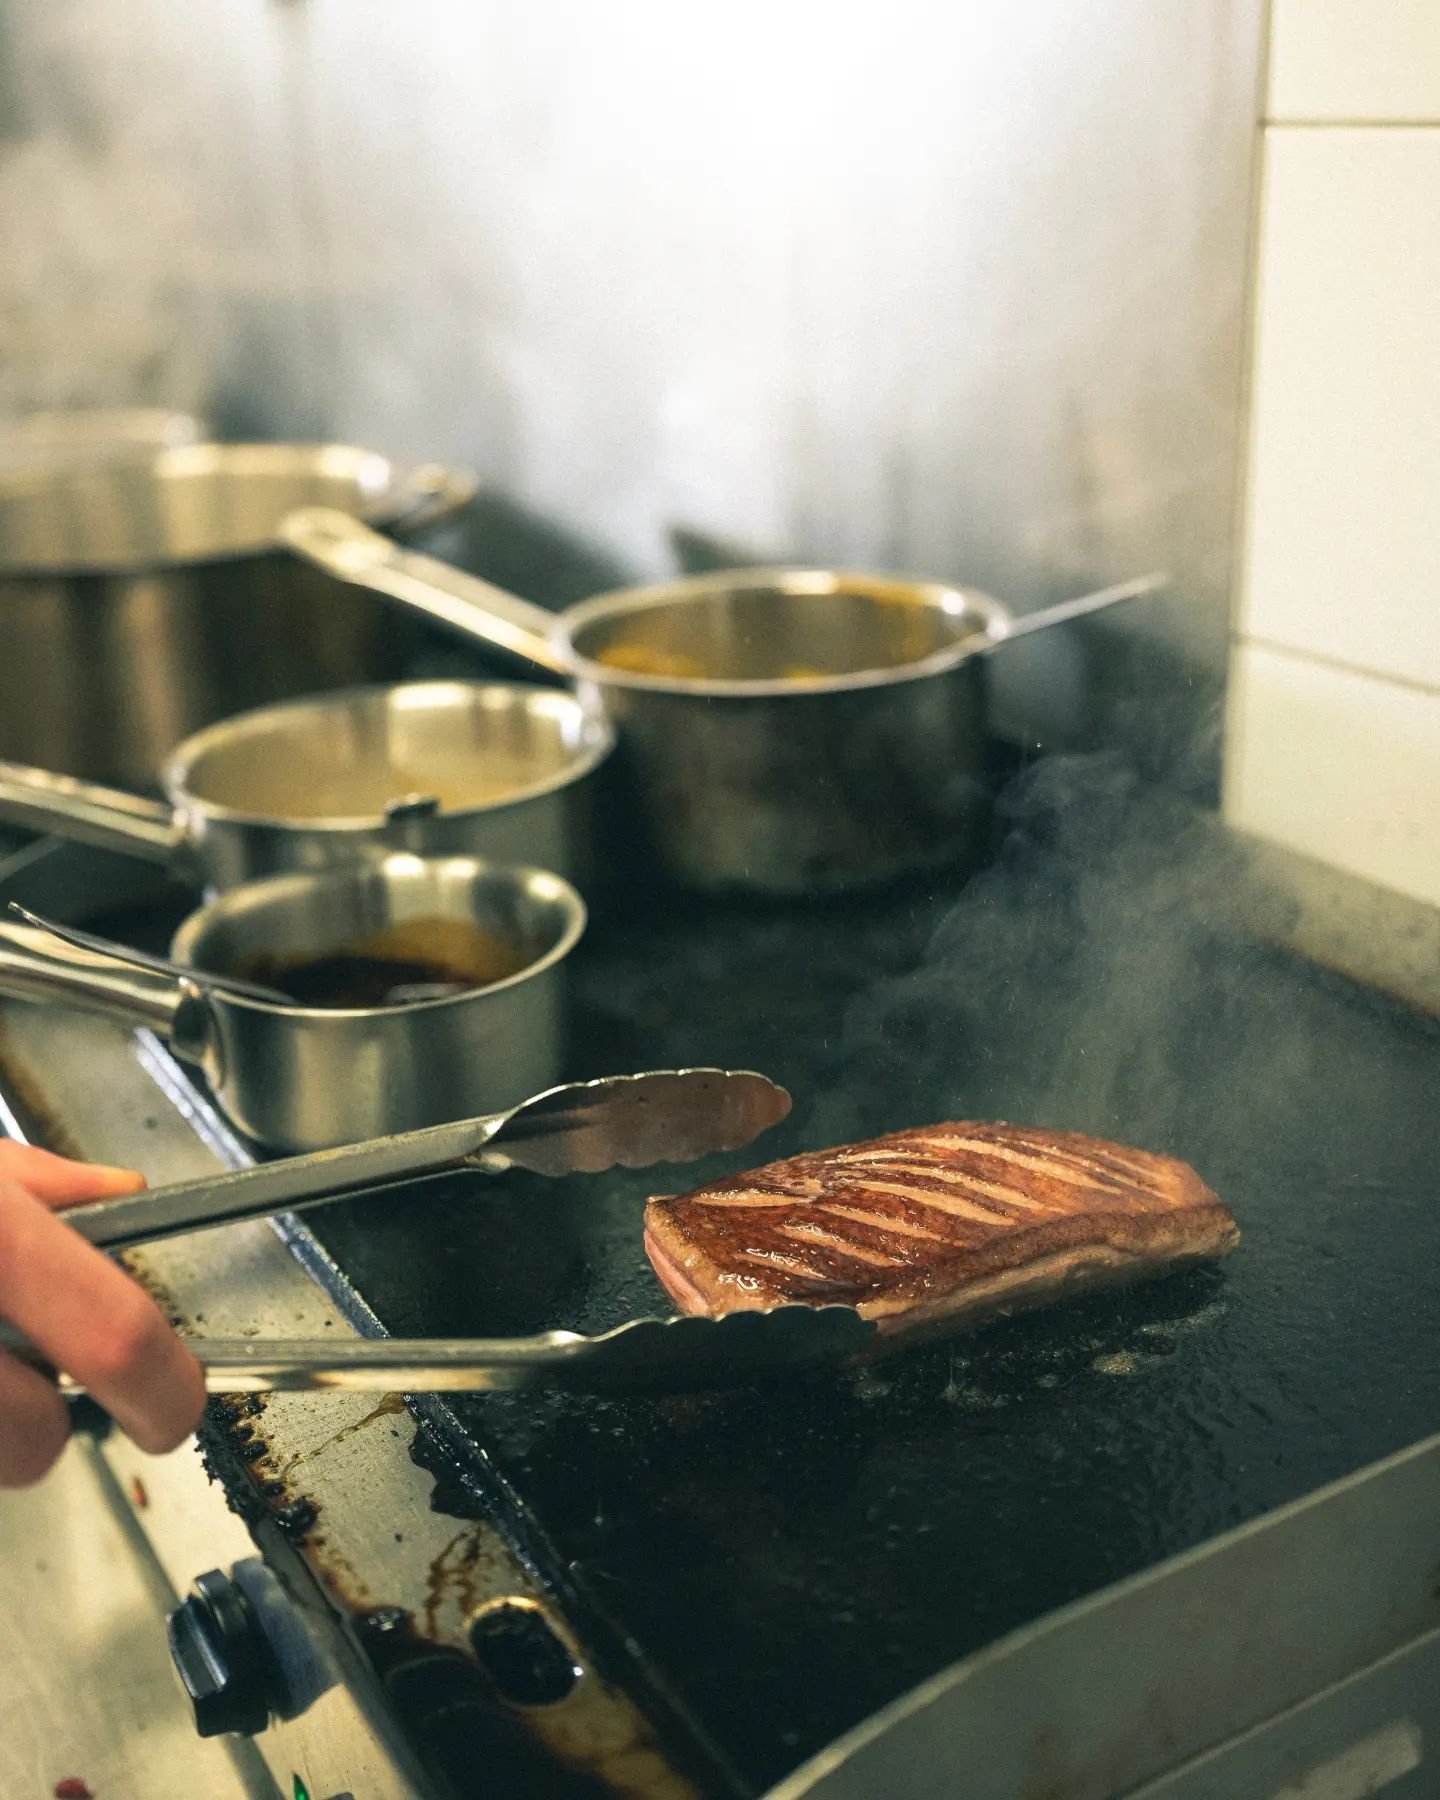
x=105 y=818
x=476 y=609
x=34 y=966
x=1079 y=608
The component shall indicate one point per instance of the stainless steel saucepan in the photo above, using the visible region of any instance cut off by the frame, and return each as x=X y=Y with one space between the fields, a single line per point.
x=786 y=731
x=493 y=769
x=308 y=1077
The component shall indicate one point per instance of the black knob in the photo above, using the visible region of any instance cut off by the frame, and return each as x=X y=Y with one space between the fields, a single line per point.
x=221 y=1658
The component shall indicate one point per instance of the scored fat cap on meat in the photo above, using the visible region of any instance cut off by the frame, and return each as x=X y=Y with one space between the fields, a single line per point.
x=936 y=1225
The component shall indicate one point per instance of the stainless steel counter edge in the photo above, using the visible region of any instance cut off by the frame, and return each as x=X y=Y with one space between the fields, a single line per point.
x=1294 y=1655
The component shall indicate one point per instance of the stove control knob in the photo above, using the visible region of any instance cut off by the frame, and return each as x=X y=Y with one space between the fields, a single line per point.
x=221 y=1657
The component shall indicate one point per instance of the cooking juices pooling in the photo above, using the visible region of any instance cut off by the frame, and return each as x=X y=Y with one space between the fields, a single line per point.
x=401 y=963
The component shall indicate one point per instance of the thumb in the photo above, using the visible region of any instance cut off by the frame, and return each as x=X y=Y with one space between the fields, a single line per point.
x=61 y=1181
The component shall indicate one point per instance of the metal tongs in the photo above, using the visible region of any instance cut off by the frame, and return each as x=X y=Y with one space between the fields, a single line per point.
x=674 y=1355
x=630 y=1121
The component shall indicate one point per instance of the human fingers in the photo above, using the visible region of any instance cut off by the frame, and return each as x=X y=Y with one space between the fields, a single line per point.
x=91 y=1320
x=34 y=1424
x=59 y=1180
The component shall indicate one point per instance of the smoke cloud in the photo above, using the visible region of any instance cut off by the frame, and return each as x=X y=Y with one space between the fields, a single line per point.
x=1109 y=972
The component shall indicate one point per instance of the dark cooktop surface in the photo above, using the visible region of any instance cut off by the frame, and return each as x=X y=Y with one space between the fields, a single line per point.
x=773 y=1565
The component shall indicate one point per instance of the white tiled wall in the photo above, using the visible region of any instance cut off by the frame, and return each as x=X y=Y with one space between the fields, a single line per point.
x=1333 y=746
x=1337 y=765
x=1345 y=60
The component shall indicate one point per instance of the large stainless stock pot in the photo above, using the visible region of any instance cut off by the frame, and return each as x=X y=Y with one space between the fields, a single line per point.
x=141 y=598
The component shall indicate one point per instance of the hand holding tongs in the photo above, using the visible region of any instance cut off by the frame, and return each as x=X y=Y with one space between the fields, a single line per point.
x=630 y=1121
x=677 y=1354
x=587 y=1127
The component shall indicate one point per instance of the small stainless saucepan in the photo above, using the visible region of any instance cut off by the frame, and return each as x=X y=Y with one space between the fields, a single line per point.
x=494 y=769
x=306 y=1077
x=782 y=730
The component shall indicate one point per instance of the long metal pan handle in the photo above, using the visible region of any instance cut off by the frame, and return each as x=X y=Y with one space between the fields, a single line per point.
x=106 y=948
x=1080 y=608
x=36 y=966
x=476 y=609
x=629 y=1121
x=105 y=818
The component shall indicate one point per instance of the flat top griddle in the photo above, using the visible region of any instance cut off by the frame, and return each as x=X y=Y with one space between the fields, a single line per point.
x=774 y=1565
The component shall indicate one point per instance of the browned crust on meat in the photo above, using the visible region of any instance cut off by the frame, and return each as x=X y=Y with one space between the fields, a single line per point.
x=922 y=1224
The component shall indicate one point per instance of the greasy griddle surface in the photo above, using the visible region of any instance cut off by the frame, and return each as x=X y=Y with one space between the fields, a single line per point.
x=785 y=1561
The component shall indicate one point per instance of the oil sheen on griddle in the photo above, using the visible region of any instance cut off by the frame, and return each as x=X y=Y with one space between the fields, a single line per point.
x=398 y=965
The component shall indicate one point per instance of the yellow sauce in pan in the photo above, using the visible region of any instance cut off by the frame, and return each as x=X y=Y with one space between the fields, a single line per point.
x=644 y=659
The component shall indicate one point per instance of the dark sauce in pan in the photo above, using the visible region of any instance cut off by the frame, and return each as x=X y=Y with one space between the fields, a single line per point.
x=418 y=959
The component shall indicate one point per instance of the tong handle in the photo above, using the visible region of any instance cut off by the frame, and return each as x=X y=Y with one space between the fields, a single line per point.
x=663 y=1115
x=289 y=1185
x=361 y=1366
x=691 y=1352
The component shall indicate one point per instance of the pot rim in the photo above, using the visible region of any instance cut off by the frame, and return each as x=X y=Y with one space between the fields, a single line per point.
x=599 y=741
x=531 y=880
x=390 y=491
x=993 y=622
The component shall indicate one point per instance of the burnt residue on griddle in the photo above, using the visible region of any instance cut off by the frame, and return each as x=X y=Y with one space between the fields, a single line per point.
x=241 y=1410
x=454 y=1577
x=389 y=1406
x=448 y=1707
x=527 y=1660
x=234 y=1451
x=220 y=1456
x=295 y=1517
x=139 y=1270
x=260 y=1486
x=515 y=1714
x=590 y=1724
x=452 y=1492
x=387 y=1635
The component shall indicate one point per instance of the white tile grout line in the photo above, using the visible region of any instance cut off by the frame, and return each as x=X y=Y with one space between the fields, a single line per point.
x=1338 y=663
x=1323 y=124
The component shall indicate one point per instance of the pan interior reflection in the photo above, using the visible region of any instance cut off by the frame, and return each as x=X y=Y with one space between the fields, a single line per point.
x=350 y=756
x=852 y=626
x=399 y=964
